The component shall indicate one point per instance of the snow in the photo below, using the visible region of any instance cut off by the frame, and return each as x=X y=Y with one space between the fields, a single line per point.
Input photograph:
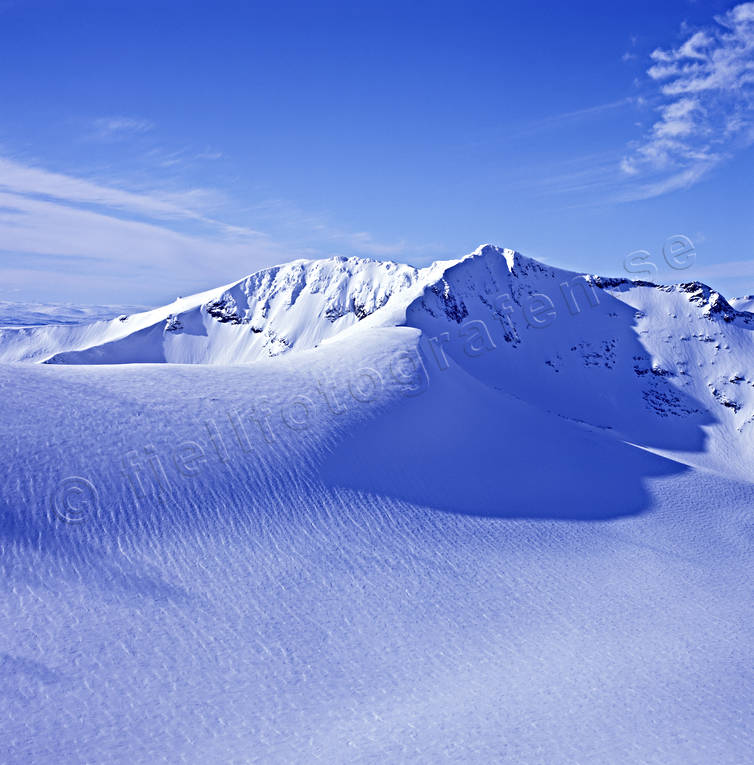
x=433 y=533
x=14 y=314
x=743 y=303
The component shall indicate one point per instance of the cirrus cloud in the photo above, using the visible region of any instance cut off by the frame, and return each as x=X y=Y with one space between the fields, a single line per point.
x=63 y=236
x=706 y=87
x=120 y=127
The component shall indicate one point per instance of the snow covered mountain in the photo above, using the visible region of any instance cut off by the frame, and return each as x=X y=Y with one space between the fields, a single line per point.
x=297 y=305
x=487 y=510
x=611 y=352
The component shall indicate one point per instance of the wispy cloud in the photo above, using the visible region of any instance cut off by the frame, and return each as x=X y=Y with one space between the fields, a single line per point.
x=558 y=120
x=183 y=157
x=120 y=127
x=706 y=89
x=334 y=237
x=61 y=229
x=586 y=173
x=589 y=111
x=210 y=155
x=20 y=178
x=57 y=231
x=630 y=55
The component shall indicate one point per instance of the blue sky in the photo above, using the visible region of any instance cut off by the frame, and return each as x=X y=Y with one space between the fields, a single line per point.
x=155 y=149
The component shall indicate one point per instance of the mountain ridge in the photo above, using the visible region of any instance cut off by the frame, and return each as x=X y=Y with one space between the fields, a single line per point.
x=299 y=305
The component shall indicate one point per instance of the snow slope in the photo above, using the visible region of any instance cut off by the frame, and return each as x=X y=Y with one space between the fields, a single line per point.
x=743 y=303
x=442 y=532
